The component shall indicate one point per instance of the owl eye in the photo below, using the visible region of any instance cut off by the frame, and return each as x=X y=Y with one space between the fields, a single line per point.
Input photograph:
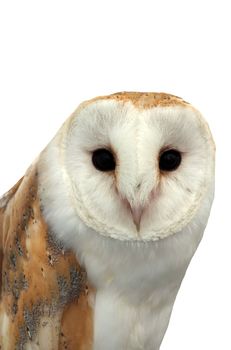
x=169 y=160
x=103 y=160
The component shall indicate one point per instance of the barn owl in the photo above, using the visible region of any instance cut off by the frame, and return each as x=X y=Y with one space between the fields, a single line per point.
x=97 y=236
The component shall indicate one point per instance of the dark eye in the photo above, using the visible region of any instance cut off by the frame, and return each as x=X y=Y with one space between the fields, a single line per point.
x=103 y=160
x=169 y=160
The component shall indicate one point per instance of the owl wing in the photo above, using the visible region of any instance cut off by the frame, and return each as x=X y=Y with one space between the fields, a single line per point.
x=44 y=290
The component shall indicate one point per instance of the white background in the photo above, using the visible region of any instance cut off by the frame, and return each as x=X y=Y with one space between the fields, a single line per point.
x=55 y=54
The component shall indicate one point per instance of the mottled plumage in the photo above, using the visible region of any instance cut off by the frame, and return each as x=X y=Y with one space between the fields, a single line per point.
x=44 y=289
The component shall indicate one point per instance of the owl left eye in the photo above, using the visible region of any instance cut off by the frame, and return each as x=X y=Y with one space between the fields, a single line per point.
x=170 y=160
x=103 y=160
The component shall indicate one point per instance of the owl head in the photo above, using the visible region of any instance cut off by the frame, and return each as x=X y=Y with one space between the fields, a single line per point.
x=133 y=166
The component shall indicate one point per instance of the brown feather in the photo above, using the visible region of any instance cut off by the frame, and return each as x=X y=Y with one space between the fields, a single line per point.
x=142 y=100
x=40 y=279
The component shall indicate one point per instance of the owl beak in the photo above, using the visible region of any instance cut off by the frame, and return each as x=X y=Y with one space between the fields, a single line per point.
x=137 y=212
x=136 y=208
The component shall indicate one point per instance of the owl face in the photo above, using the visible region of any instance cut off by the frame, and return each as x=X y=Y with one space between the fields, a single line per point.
x=136 y=171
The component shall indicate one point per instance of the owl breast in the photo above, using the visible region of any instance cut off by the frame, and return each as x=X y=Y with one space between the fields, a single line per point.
x=136 y=285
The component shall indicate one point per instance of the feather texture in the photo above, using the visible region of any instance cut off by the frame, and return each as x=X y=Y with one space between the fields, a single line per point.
x=44 y=289
x=93 y=260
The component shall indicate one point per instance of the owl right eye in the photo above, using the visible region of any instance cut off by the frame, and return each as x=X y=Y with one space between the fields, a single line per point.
x=103 y=160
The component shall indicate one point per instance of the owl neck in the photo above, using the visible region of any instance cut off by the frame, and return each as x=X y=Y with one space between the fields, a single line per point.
x=136 y=285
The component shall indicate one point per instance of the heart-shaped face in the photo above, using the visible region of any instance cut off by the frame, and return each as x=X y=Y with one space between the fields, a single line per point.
x=136 y=166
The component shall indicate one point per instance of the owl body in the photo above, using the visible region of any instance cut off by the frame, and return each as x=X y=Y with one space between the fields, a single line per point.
x=124 y=192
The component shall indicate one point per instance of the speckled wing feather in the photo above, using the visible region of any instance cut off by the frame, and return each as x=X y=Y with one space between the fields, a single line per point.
x=44 y=291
